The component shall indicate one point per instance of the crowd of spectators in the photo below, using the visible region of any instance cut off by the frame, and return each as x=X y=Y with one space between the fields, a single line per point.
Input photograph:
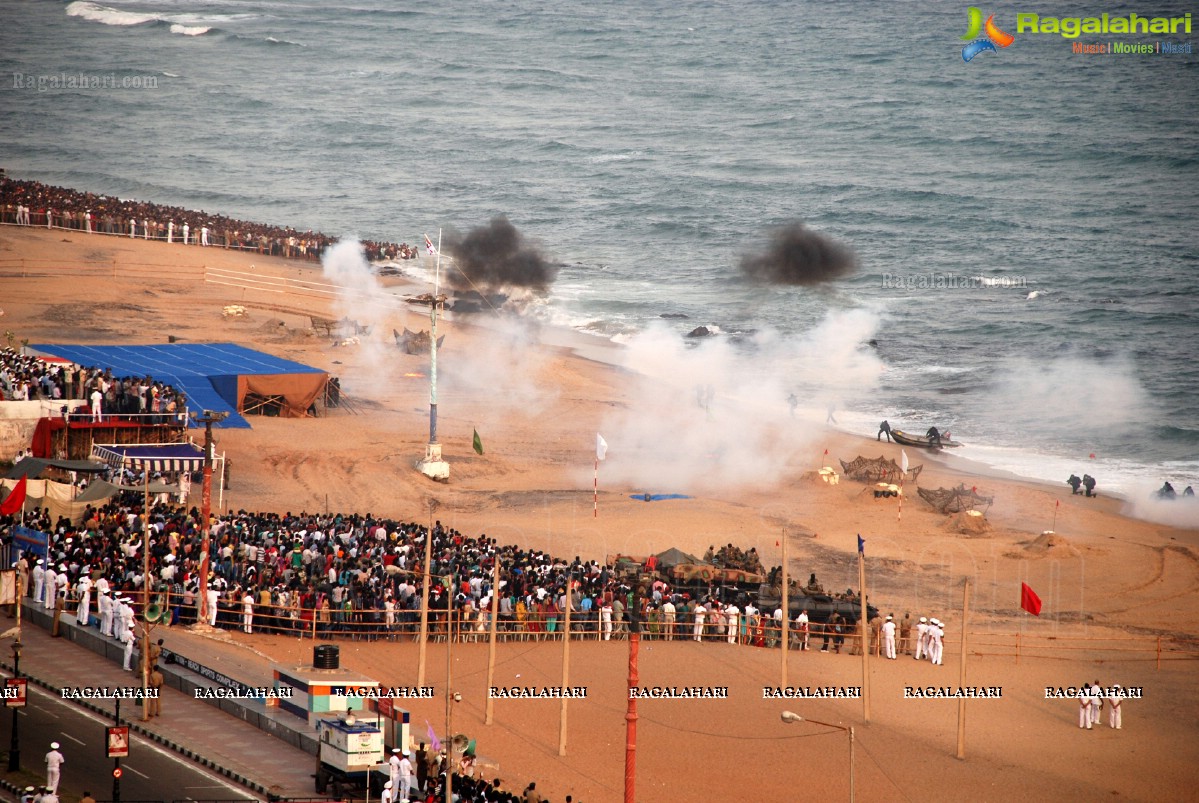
x=31 y=203
x=27 y=378
x=360 y=577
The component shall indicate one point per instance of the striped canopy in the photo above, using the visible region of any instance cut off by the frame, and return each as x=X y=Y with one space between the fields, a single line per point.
x=163 y=457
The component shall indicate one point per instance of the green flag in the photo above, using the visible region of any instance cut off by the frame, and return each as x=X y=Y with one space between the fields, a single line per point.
x=478 y=443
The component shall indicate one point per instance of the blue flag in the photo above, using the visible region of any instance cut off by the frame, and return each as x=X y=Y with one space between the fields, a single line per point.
x=861 y=544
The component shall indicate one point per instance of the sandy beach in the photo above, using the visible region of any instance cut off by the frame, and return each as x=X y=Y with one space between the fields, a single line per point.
x=1114 y=587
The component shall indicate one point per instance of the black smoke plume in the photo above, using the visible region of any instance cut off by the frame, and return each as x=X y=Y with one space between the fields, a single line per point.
x=799 y=256
x=497 y=257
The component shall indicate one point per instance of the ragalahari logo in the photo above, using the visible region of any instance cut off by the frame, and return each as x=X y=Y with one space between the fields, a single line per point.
x=994 y=37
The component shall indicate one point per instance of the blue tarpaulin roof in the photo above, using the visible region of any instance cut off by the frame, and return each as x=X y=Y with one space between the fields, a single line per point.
x=206 y=372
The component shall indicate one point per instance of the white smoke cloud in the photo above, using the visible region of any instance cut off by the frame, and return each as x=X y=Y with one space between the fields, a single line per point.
x=1068 y=396
x=710 y=415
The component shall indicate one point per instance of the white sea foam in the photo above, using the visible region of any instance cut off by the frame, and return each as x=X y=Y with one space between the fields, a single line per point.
x=190 y=30
x=107 y=16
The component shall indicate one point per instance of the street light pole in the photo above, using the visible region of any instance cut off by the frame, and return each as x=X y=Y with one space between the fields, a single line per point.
x=791 y=716
x=14 y=749
x=209 y=418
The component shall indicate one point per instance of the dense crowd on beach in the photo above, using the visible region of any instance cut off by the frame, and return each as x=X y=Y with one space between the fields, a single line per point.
x=360 y=577
x=31 y=203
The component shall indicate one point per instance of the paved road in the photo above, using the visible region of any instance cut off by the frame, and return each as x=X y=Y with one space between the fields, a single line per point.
x=148 y=773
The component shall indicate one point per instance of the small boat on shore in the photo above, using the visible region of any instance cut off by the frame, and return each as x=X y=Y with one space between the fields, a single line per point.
x=909 y=439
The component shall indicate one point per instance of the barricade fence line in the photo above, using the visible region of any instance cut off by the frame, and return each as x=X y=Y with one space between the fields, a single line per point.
x=474 y=626
x=216 y=237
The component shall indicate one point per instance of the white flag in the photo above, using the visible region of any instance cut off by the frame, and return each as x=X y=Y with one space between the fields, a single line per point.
x=601 y=447
x=903 y=460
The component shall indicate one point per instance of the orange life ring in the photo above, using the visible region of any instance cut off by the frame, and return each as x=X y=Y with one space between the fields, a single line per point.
x=705 y=575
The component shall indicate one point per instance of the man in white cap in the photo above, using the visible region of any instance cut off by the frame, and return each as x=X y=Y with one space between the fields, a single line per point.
x=921 y=637
x=105 y=605
x=49 y=587
x=84 y=589
x=39 y=578
x=54 y=762
x=393 y=765
x=1084 y=706
x=407 y=777
x=128 y=637
x=247 y=612
x=214 y=597
x=388 y=795
x=936 y=646
x=889 y=637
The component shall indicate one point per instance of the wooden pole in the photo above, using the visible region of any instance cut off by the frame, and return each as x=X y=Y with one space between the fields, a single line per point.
x=630 y=717
x=862 y=628
x=565 y=669
x=786 y=612
x=424 y=606
x=495 y=612
x=962 y=672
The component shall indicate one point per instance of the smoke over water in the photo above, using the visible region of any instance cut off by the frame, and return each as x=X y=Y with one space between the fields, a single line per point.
x=497 y=258
x=799 y=256
x=715 y=416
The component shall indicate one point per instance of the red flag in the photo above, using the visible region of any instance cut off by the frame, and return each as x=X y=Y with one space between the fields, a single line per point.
x=1058 y=503
x=1029 y=600
x=15 y=500
x=826 y=451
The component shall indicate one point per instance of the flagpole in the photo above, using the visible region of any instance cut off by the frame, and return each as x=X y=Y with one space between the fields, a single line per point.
x=495 y=612
x=595 y=491
x=433 y=466
x=565 y=667
x=1056 y=505
x=962 y=672
x=786 y=611
x=862 y=628
x=424 y=605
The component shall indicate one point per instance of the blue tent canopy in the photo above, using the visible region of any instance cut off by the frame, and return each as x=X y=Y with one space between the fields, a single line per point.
x=215 y=376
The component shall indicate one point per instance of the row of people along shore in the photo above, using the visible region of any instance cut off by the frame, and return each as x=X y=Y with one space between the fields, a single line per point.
x=31 y=203
x=359 y=577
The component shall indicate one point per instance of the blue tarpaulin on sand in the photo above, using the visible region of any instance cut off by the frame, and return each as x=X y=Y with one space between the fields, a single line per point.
x=657 y=497
x=213 y=375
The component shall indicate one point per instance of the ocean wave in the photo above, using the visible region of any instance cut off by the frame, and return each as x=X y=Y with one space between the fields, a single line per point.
x=107 y=16
x=190 y=30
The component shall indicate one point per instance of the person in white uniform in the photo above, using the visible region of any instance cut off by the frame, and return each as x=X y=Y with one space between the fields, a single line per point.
x=127 y=638
x=49 y=588
x=39 y=579
x=1084 y=707
x=84 y=589
x=889 y=637
x=247 y=612
x=1096 y=703
x=921 y=637
x=54 y=760
x=1114 y=699
x=802 y=627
